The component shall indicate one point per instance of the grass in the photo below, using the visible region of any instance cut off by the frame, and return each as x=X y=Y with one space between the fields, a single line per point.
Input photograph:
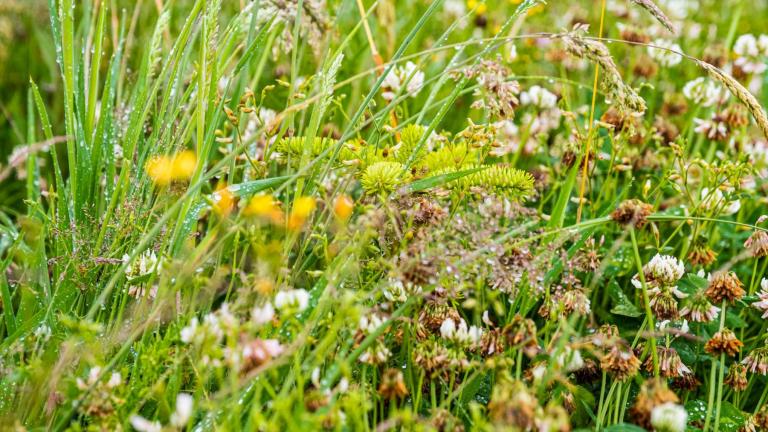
x=383 y=215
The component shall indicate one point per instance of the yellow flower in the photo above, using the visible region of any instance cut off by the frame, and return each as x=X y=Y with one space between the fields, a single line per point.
x=165 y=169
x=264 y=206
x=159 y=169
x=302 y=209
x=343 y=207
x=183 y=165
x=224 y=200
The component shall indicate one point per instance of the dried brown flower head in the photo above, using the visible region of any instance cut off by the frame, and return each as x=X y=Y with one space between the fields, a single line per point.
x=632 y=212
x=737 y=377
x=757 y=361
x=621 y=363
x=702 y=255
x=724 y=342
x=392 y=385
x=724 y=286
x=670 y=364
x=521 y=333
x=757 y=243
x=512 y=405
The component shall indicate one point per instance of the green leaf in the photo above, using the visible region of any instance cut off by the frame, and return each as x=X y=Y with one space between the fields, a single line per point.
x=623 y=306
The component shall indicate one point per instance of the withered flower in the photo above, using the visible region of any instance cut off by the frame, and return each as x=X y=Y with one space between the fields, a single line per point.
x=737 y=377
x=392 y=385
x=621 y=363
x=724 y=286
x=723 y=342
x=632 y=212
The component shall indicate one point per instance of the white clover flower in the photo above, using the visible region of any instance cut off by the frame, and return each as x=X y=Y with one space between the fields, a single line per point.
x=184 y=404
x=664 y=270
x=538 y=96
x=455 y=8
x=368 y=324
x=145 y=264
x=143 y=425
x=570 y=360
x=406 y=78
x=704 y=92
x=762 y=305
x=749 y=52
x=197 y=333
x=678 y=9
x=292 y=299
x=512 y=52
x=460 y=333
x=395 y=291
x=664 y=53
x=262 y=314
x=187 y=334
x=715 y=201
x=115 y=380
x=669 y=417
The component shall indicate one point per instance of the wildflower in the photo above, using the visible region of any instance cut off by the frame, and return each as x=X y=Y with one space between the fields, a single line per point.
x=259 y=351
x=164 y=169
x=621 y=363
x=724 y=286
x=302 y=209
x=687 y=382
x=376 y=354
x=262 y=315
x=737 y=377
x=343 y=206
x=184 y=405
x=662 y=270
x=723 y=342
x=715 y=129
x=295 y=299
x=513 y=405
x=757 y=243
x=408 y=78
x=538 y=96
x=223 y=200
x=670 y=364
x=665 y=52
x=699 y=309
x=749 y=52
x=460 y=333
x=264 y=206
x=704 y=92
x=570 y=360
x=669 y=417
x=381 y=178
x=632 y=212
x=395 y=291
x=143 y=425
x=146 y=264
x=392 y=385
x=663 y=301
x=762 y=305
x=702 y=254
x=716 y=202
x=521 y=332
x=589 y=372
x=757 y=361
x=653 y=393
x=209 y=331
x=369 y=324
x=497 y=94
